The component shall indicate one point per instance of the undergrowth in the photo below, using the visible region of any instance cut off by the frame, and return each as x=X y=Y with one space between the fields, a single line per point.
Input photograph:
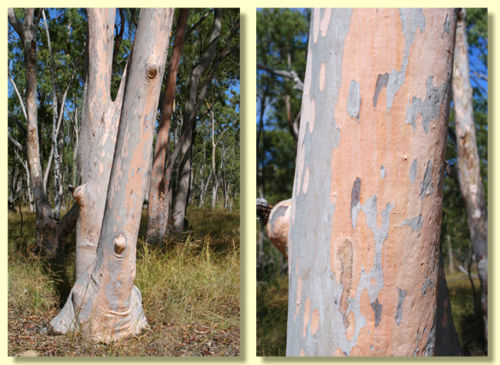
x=190 y=289
x=272 y=308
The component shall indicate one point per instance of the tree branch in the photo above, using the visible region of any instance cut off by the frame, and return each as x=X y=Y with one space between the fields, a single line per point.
x=16 y=24
x=292 y=75
x=19 y=97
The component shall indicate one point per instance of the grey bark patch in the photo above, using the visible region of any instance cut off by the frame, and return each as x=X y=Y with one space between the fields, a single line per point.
x=401 y=297
x=413 y=171
x=415 y=223
x=446 y=27
x=377 y=310
x=428 y=282
x=431 y=341
x=429 y=107
x=311 y=230
x=411 y=20
x=280 y=212
x=426 y=184
x=355 y=205
x=381 y=82
x=382 y=171
x=354 y=100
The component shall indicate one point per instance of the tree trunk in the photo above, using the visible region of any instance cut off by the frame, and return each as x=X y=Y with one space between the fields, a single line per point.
x=97 y=137
x=45 y=224
x=363 y=248
x=158 y=205
x=193 y=104
x=104 y=303
x=469 y=176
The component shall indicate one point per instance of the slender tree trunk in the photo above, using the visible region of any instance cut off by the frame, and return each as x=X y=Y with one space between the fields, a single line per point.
x=104 y=303
x=363 y=246
x=76 y=132
x=193 y=104
x=214 y=171
x=45 y=223
x=469 y=175
x=158 y=207
x=451 y=264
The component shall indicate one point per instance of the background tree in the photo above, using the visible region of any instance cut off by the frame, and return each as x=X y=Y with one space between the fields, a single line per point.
x=468 y=162
x=158 y=208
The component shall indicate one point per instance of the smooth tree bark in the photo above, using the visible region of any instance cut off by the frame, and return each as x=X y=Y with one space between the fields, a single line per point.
x=104 y=304
x=97 y=137
x=363 y=243
x=468 y=164
x=158 y=202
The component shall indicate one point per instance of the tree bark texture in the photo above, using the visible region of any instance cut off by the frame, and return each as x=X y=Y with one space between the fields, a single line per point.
x=365 y=219
x=104 y=303
x=158 y=204
x=469 y=176
x=97 y=137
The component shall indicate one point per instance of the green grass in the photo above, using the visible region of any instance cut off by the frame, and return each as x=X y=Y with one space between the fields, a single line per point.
x=190 y=288
x=272 y=307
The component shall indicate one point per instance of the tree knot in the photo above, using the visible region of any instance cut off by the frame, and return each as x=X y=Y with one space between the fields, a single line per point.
x=79 y=194
x=152 y=68
x=119 y=244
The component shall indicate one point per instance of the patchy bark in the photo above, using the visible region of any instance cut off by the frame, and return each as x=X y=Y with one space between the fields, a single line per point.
x=366 y=207
x=104 y=303
x=469 y=176
x=97 y=137
x=158 y=204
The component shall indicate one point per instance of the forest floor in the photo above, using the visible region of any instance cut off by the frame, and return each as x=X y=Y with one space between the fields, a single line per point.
x=190 y=289
x=272 y=307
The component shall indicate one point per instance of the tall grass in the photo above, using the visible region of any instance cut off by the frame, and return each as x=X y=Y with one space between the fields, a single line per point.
x=190 y=289
x=272 y=307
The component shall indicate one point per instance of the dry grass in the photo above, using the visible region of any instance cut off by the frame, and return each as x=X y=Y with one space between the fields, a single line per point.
x=272 y=307
x=190 y=291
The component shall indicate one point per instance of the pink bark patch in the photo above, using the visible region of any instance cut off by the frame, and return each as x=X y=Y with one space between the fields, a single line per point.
x=322 y=76
x=325 y=21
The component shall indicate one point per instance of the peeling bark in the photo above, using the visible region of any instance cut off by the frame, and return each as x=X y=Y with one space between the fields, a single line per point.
x=365 y=217
x=469 y=176
x=104 y=304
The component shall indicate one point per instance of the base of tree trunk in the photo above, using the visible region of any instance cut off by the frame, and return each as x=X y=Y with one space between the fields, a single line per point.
x=84 y=312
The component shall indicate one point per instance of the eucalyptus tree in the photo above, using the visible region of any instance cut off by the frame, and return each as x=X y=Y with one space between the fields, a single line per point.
x=365 y=268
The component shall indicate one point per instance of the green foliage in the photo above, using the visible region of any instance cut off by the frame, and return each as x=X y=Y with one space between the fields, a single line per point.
x=281 y=45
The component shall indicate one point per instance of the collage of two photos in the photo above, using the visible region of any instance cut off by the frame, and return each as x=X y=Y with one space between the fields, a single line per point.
x=124 y=193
